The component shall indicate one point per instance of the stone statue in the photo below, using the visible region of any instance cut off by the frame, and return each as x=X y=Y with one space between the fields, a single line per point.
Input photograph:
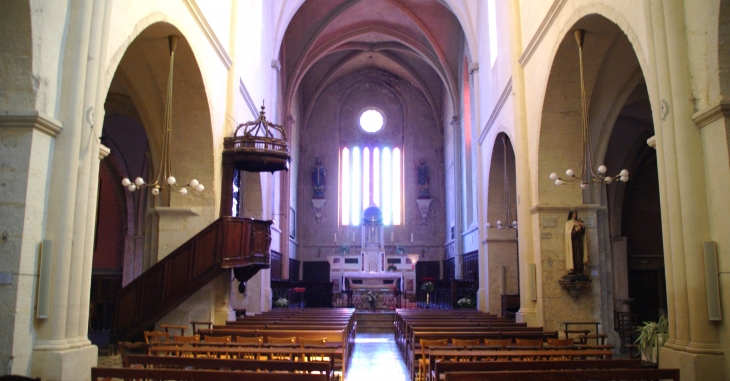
x=423 y=179
x=576 y=251
x=319 y=178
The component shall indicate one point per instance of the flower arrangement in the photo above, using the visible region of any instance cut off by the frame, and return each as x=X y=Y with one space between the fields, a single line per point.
x=370 y=297
x=466 y=302
x=391 y=268
x=400 y=250
x=281 y=303
x=428 y=287
x=344 y=249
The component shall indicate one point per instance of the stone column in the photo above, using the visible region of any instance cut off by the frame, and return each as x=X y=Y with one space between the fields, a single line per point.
x=88 y=175
x=528 y=308
x=64 y=176
x=696 y=347
x=458 y=193
x=669 y=190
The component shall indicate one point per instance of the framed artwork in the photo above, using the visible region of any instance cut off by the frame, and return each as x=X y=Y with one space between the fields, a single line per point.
x=292 y=223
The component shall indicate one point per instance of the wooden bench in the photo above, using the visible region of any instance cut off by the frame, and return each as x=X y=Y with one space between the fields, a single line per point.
x=99 y=374
x=171 y=362
x=441 y=367
x=567 y=375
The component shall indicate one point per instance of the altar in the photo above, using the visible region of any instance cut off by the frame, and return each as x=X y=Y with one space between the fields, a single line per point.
x=357 y=280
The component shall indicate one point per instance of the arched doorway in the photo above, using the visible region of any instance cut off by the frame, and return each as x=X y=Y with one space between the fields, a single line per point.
x=620 y=122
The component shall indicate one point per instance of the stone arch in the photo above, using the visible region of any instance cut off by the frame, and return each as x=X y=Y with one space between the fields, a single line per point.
x=620 y=122
x=501 y=265
x=133 y=128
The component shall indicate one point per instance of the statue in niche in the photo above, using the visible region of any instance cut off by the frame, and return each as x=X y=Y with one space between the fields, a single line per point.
x=423 y=179
x=319 y=179
x=576 y=252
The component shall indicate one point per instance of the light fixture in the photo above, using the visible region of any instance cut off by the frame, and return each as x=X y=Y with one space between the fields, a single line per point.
x=589 y=173
x=507 y=212
x=164 y=173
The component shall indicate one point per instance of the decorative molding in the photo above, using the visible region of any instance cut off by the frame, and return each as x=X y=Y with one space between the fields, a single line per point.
x=170 y=211
x=711 y=113
x=38 y=121
x=564 y=208
x=209 y=33
x=247 y=98
x=496 y=110
x=547 y=22
x=104 y=151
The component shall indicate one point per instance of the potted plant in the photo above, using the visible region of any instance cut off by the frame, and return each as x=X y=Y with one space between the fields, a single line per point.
x=344 y=249
x=466 y=302
x=400 y=250
x=428 y=287
x=652 y=335
x=281 y=303
x=391 y=267
x=371 y=298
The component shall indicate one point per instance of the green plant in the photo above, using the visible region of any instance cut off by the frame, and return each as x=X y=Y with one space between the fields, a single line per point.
x=370 y=297
x=391 y=268
x=466 y=302
x=400 y=250
x=428 y=287
x=344 y=249
x=282 y=302
x=649 y=337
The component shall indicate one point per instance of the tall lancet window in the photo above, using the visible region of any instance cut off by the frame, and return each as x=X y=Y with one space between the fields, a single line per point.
x=371 y=176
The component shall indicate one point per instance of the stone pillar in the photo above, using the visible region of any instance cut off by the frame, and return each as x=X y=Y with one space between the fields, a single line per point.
x=528 y=307
x=59 y=353
x=64 y=175
x=458 y=193
x=696 y=348
x=86 y=190
x=27 y=144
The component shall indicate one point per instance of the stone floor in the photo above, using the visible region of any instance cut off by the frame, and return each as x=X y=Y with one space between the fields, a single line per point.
x=376 y=358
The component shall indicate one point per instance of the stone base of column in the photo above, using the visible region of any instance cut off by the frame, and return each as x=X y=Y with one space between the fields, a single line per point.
x=692 y=366
x=483 y=301
x=70 y=364
x=528 y=316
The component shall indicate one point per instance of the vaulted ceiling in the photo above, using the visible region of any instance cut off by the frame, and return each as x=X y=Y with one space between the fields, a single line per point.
x=326 y=41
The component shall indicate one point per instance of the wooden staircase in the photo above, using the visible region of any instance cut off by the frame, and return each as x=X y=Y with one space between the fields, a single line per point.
x=229 y=242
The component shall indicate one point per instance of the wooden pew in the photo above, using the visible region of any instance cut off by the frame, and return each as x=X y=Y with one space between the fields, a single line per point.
x=173 y=362
x=414 y=350
x=441 y=367
x=99 y=374
x=568 y=375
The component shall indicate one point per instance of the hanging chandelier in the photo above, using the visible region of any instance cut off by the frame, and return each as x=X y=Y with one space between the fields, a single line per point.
x=588 y=172
x=164 y=173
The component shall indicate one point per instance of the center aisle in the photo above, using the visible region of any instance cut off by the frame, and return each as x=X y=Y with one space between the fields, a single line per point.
x=376 y=358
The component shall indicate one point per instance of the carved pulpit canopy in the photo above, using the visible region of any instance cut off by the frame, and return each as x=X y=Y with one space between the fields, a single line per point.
x=257 y=148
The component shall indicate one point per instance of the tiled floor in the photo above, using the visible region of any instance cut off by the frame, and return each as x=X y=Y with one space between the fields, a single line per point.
x=376 y=358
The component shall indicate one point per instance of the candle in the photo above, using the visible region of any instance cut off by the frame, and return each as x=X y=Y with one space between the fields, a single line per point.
x=353 y=236
x=335 y=237
x=391 y=236
x=411 y=237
